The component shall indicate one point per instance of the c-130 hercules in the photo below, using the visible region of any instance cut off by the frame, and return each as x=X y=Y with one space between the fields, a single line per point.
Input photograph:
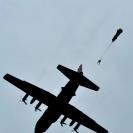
x=58 y=105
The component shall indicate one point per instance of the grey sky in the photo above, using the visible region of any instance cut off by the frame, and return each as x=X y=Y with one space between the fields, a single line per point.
x=37 y=35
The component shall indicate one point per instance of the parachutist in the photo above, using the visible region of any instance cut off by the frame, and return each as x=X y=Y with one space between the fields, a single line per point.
x=99 y=61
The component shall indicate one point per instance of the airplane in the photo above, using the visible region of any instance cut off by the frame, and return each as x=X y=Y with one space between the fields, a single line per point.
x=59 y=105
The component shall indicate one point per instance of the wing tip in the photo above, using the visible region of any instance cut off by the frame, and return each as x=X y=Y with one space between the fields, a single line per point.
x=6 y=76
x=60 y=67
x=97 y=89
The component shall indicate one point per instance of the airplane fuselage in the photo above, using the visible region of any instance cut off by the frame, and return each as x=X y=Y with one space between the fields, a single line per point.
x=68 y=92
x=54 y=111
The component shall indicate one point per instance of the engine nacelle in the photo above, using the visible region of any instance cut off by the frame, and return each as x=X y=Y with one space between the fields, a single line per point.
x=72 y=122
x=63 y=121
x=32 y=101
x=76 y=127
x=37 y=106
x=25 y=98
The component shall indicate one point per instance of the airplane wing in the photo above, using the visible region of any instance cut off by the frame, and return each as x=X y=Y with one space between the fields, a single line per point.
x=79 y=78
x=77 y=116
x=32 y=90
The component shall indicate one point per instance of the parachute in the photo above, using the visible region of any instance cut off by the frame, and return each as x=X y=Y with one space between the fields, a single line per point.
x=119 y=31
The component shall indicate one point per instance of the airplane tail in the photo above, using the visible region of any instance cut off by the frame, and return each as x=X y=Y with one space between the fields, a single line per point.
x=78 y=77
x=80 y=69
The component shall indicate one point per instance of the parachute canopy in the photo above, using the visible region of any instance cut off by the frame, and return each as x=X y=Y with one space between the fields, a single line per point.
x=119 y=31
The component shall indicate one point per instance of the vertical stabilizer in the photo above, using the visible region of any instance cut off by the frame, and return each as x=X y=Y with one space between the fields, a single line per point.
x=80 y=69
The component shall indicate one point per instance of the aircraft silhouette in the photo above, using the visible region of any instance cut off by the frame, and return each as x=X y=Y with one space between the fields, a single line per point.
x=58 y=105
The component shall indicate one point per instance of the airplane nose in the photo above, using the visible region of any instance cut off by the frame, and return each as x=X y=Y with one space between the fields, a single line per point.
x=43 y=124
x=39 y=127
x=38 y=130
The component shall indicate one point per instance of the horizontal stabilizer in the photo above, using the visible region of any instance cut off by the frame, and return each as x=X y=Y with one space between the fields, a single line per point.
x=77 y=77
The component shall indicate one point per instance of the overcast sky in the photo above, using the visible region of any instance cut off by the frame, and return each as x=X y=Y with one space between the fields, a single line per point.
x=37 y=35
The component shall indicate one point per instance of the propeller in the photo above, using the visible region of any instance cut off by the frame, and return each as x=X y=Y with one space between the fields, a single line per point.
x=37 y=106
x=76 y=128
x=72 y=122
x=63 y=121
x=32 y=101
x=25 y=98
